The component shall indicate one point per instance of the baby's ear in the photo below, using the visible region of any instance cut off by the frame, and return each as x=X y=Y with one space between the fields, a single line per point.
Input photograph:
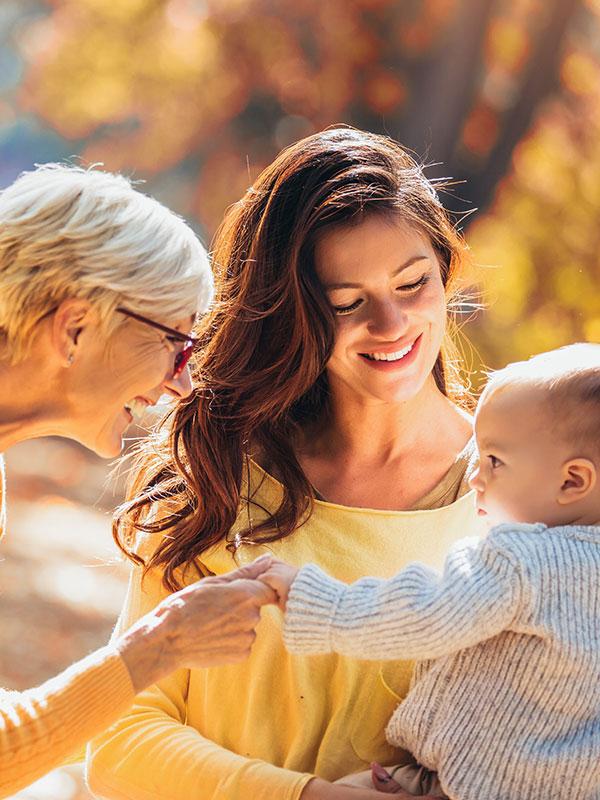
x=578 y=479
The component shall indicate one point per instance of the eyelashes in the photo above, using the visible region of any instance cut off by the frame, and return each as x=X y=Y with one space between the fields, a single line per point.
x=347 y=309
x=408 y=288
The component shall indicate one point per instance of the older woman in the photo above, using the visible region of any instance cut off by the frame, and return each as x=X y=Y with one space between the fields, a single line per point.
x=327 y=426
x=99 y=286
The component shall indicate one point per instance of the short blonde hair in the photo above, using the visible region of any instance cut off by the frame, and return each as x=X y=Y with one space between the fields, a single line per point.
x=568 y=381
x=66 y=231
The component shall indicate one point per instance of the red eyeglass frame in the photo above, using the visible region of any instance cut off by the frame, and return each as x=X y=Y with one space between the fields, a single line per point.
x=183 y=356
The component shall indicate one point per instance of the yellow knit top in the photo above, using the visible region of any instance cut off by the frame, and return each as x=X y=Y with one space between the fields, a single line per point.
x=262 y=728
x=41 y=727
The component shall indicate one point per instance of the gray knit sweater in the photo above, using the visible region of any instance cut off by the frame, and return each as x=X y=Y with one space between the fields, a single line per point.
x=507 y=704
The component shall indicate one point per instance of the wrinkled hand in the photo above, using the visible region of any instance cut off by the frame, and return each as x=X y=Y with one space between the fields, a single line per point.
x=279 y=577
x=208 y=623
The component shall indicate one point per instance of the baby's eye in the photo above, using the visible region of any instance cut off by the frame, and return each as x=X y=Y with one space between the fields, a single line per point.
x=494 y=461
x=347 y=309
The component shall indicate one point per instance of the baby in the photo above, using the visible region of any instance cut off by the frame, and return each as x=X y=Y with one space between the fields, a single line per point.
x=505 y=700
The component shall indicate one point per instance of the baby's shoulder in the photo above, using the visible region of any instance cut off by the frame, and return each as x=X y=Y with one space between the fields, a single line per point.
x=540 y=544
x=517 y=541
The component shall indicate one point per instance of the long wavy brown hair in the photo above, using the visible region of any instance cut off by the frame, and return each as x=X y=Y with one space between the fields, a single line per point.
x=259 y=372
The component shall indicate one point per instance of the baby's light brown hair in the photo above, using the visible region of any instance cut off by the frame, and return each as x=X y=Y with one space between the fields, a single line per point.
x=567 y=381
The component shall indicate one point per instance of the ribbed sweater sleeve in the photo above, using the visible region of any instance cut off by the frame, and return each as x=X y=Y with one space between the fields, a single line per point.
x=417 y=614
x=41 y=727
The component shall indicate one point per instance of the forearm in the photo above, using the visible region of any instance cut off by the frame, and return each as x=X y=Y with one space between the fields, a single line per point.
x=147 y=650
x=417 y=614
x=41 y=727
x=151 y=754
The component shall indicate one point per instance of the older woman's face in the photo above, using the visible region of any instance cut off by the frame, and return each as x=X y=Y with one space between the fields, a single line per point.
x=128 y=373
x=383 y=281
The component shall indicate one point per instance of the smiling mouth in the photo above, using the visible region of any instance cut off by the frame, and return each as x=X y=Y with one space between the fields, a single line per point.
x=136 y=407
x=397 y=355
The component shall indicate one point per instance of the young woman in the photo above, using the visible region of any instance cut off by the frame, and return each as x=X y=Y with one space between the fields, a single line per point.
x=326 y=426
x=99 y=286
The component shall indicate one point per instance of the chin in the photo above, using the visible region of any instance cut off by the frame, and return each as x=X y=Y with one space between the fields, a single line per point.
x=399 y=392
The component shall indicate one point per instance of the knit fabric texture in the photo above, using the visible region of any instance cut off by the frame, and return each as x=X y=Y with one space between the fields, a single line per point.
x=505 y=700
x=43 y=727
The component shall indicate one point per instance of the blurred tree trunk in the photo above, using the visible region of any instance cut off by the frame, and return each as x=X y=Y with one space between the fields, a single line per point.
x=445 y=88
x=540 y=78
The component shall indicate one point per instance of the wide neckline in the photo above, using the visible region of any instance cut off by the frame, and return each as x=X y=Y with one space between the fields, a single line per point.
x=326 y=504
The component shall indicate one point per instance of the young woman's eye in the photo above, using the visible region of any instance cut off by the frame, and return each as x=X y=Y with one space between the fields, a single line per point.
x=494 y=462
x=340 y=310
x=412 y=287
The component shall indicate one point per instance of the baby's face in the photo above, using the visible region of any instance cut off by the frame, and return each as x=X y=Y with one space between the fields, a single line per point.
x=520 y=458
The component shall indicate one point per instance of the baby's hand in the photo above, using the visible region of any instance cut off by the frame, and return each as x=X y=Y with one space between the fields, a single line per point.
x=279 y=577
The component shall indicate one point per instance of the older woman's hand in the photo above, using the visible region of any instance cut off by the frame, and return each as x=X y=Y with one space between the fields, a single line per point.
x=208 y=623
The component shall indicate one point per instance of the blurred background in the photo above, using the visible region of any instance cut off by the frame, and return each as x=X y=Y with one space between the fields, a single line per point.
x=195 y=97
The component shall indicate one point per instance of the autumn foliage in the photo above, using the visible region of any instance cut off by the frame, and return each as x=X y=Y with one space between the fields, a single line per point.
x=504 y=93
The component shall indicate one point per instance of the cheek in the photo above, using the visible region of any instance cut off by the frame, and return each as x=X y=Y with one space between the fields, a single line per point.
x=432 y=303
x=139 y=369
x=344 y=335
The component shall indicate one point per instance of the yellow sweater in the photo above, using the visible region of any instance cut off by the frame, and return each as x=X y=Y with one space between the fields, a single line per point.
x=41 y=727
x=259 y=730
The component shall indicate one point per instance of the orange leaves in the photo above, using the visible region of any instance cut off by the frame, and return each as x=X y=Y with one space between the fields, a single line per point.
x=384 y=91
x=580 y=74
x=507 y=45
x=480 y=130
x=212 y=89
x=543 y=238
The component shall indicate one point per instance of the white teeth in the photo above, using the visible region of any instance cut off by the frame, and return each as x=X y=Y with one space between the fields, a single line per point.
x=390 y=356
x=136 y=407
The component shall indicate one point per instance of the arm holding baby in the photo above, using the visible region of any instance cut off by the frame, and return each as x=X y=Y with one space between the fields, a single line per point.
x=417 y=614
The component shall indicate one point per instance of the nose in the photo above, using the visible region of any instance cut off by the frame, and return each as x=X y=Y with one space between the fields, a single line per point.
x=476 y=481
x=388 y=321
x=181 y=386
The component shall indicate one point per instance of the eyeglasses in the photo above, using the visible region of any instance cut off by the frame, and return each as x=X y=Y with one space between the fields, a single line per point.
x=184 y=355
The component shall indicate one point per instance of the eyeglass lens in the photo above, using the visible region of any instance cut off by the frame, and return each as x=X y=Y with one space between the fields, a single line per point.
x=182 y=358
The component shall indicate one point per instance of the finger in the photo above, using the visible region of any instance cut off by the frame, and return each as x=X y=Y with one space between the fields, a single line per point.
x=383 y=781
x=260 y=593
x=250 y=571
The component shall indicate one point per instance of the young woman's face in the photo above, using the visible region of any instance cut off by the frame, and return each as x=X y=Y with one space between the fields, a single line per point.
x=383 y=281
x=112 y=381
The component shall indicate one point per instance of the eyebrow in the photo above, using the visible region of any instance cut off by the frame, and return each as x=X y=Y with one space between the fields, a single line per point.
x=490 y=444
x=330 y=286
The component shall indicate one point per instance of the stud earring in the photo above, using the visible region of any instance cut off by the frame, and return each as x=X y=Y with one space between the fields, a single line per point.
x=70 y=359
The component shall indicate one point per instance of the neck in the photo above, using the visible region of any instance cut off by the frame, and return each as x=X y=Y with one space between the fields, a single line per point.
x=591 y=517
x=378 y=432
x=28 y=406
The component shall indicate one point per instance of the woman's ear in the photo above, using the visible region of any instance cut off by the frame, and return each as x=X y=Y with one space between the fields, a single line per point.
x=69 y=320
x=578 y=479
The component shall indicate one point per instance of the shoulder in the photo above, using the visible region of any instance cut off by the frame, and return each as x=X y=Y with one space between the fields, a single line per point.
x=519 y=541
x=511 y=540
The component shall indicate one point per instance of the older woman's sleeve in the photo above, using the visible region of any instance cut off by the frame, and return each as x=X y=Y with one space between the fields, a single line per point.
x=151 y=754
x=418 y=614
x=40 y=728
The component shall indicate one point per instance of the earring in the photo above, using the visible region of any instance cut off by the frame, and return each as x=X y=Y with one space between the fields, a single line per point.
x=70 y=359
